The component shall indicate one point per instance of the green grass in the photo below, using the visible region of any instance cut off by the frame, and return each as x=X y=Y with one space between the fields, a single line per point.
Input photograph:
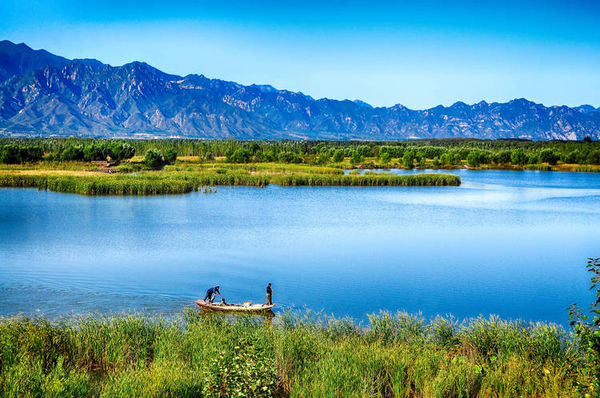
x=185 y=177
x=381 y=179
x=295 y=355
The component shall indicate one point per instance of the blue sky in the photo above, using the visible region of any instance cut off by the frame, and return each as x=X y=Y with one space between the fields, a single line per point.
x=419 y=54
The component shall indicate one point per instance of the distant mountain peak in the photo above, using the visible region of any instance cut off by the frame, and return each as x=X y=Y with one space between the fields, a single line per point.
x=363 y=104
x=265 y=88
x=587 y=108
x=459 y=105
x=18 y=59
x=88 y=61
x=523 y=101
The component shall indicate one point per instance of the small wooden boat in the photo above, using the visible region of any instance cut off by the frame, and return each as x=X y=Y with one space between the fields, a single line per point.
x=244 y=308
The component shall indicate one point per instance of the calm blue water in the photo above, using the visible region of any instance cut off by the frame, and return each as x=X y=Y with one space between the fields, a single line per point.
x=505 y=242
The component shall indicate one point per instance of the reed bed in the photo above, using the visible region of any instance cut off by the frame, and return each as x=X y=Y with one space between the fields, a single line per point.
x=178 y=182
x=380 y=179
x=294 y=354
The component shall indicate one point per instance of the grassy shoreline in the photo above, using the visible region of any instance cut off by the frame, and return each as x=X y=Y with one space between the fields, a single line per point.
x=117 y=167
x=293 y=354
x=188 y=176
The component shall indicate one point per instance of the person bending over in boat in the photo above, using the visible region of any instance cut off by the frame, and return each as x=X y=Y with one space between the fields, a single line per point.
x=269 y=294
x=211 y=294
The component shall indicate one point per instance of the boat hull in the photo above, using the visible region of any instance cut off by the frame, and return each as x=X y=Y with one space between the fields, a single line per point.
x=246 y=309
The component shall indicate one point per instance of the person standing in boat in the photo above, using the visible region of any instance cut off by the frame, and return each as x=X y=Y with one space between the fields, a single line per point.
x=269 y=294
x=211 y=294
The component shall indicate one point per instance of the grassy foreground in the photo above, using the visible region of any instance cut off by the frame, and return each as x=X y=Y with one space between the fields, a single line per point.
x=297 y=355
x=192 y=175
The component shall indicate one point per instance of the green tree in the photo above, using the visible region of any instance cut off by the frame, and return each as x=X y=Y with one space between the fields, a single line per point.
x=154 y=159
x=589 y=331
x=364 y=150
x=385 y=157
x=119 y=151
x=477 y=158
x=127 y=151
x=408 y=160
x=502 y=157
x=533 y=158
x=10 y=154
x=289 y=157
x=32 y=153
x=240 y=155
x=338 y=155
x=451 y=158
x=357 y=158
x=170 y=155
x=94 y=152
x=549 y=156
x=571 y=157
x=519 y=157
x=72 y=152
x=593 y=157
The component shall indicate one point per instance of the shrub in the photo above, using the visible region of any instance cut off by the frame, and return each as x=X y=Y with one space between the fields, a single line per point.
x=10 y=154
x=451 y=158
x=364 y=150
x=338 y=155
x=502 y=157
x=357 y=158
x=593 y=157
x=120 y=151
x=549 y=156
x=72 y=152
x=154 y=159
x=477 y=158
x=240 y=155
x=20 y=153
x=571 y=157
x=94 y=152
x=289 y=157
x=408 y=160
x=32 y=153
x=385 y=157
x=396 y=151
x=518 y=157
x=170 y=155
x=589 y=331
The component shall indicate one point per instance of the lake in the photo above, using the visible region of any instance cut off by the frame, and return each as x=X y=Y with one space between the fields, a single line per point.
x=505 y=242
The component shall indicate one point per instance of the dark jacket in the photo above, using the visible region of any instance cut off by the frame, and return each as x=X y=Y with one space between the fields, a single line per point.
x=211 y=292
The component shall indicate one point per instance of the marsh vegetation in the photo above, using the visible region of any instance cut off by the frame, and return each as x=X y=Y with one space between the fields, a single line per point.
x=297 y=354
x=146 y=167
x=138 y=176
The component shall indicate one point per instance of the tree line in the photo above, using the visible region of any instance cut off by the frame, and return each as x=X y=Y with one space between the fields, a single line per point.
x=442 y=152
x=20 y=152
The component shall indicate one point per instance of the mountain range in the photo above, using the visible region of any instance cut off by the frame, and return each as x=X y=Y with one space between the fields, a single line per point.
x=42 y=94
